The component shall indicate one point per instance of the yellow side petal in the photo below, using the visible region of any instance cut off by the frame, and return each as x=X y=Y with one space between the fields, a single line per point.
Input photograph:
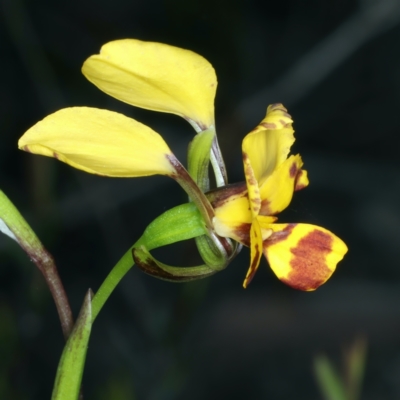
x=301 y=180
x=256 y=250
x=157 y=77
x=303 y=256
x=265 y=221
x=277 y=190
x=233 y=217
x=100 y=142
x=268 y=145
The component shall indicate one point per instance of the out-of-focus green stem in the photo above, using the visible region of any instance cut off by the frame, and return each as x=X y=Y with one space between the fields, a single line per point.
x=110 y=283
x=14 y=225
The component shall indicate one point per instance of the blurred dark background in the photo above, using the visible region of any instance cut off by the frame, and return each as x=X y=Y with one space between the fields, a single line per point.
x=336 y=66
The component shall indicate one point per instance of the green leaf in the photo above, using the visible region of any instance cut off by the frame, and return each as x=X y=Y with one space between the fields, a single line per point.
x=72 y=362
x=328 y=380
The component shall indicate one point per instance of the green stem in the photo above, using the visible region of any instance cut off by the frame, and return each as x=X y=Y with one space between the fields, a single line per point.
x=112 y=280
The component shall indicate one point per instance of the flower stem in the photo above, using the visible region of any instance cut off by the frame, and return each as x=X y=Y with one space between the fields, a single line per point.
x=112 y=280
x=48 y=268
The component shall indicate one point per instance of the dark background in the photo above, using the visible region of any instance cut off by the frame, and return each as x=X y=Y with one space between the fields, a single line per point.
x=336 y=66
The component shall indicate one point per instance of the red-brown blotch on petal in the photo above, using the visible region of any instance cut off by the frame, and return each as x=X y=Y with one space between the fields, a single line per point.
x=301 y=180
x=293 y=170
x=303 y=256
x=309 y=267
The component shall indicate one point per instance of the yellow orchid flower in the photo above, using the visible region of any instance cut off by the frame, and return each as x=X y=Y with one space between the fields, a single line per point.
x=164 y=78
x=150 y=75
x=301 y=255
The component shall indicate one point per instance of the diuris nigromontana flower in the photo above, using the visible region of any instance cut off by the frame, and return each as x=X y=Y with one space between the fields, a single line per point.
x=164 y=78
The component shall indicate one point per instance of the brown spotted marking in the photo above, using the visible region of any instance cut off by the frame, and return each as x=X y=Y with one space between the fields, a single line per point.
x=56 y=155
x=279 y=236
x=297 y=185
x=293 y=170
x=248 y=170
x=265 y=208
x=268 y=125
x=26 y=148
x=309 y=261
x=252 y=181
x=277 y=106
x=242 y=233
x=254 y=264
x=219 y=196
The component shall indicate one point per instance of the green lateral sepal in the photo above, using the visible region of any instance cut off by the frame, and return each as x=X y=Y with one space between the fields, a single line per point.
x=148 y=264
x=216 y=251
x=175 y=225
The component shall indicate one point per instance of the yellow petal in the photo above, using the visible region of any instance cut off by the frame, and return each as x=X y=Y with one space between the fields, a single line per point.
x=265 y=221
x=232 y=213
x=277 y=190
x=303 y=256
x=301 y=180
x=100 y=142
x=268 y=145
x=157 y=77
x=256 y=249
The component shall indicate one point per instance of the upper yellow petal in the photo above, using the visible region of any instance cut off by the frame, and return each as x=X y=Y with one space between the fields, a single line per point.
x=157 y=77
x=268 y=145
x=100 y=142
x=303 y=256
x=277 y=190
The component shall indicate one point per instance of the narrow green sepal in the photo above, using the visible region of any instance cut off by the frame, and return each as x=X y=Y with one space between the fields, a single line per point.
x=215 y=251
x=179 y=223
x=199 y=158
x=70 y=368
x=148 y=264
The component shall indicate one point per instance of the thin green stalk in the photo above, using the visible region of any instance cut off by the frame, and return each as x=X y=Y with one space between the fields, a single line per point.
x=112 y=280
